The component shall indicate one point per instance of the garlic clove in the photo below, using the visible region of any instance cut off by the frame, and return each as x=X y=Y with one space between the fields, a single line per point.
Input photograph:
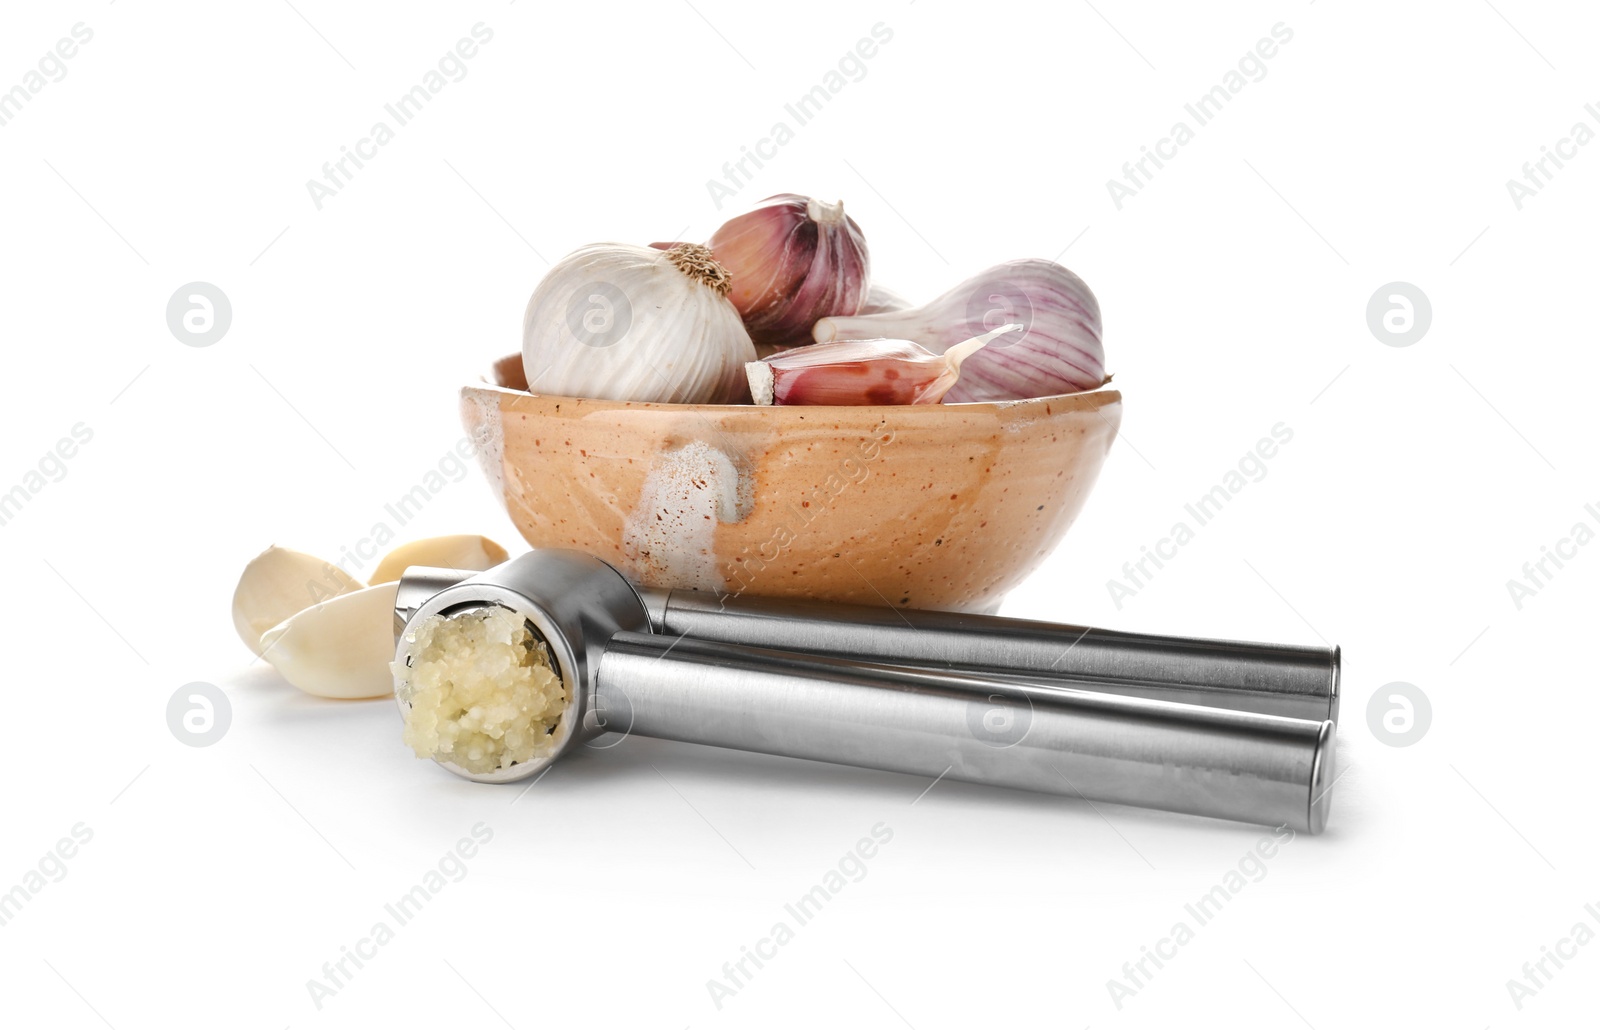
x=1060 y=351
x=341 y=648
x=461 y=551
x=279 y=583
x=794 y=260
x=857 y=372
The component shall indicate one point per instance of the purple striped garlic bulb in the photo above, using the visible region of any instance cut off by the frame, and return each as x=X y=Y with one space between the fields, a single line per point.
x=793 y=260
x=1058 y=351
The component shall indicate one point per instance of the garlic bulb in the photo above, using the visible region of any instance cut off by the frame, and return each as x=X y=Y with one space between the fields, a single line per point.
x=793 y=260
x=860 y=372
x=613 y=321
x=1060 y=352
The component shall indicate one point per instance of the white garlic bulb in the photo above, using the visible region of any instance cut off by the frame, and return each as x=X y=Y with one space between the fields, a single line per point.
x=613 y=321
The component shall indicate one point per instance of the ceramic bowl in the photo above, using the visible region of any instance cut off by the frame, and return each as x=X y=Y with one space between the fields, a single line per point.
x=927 y=506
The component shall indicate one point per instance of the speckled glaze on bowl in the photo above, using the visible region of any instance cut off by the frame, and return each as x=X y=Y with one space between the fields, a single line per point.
x=926 y=506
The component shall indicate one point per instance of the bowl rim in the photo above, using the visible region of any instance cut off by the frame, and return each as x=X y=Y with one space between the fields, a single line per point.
x=1082 y=400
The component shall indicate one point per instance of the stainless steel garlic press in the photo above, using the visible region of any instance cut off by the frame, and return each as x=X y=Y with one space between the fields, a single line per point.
x=1215 y=728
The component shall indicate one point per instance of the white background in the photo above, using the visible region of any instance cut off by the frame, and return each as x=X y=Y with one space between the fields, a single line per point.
x=1235 y=285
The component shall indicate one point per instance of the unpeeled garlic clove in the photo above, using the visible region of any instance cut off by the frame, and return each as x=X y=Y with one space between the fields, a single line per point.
x=279 y=583
x=1060 y=351
x=856 y=372
x=341 y=648
x=461 y=551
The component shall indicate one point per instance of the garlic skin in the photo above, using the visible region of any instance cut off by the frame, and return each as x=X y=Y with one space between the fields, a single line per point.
x=614 y=321
x=794 y=260
x=341 y=648
x=859 y=372
x=279 y=583
x=881 y=299
x=464 y=551
x=1060 y=352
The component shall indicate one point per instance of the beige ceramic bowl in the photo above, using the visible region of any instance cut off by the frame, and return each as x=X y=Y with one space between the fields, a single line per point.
x=925 y=506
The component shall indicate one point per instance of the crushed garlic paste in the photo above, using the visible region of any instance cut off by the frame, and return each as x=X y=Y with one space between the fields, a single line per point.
x=480 y=691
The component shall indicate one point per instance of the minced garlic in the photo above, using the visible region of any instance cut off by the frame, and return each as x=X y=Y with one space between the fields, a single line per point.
x=480 y=691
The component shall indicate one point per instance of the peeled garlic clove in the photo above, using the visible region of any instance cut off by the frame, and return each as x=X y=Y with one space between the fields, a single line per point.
x=341 y=648
x=279 y=583
x=793 y=260
x=857 y=372
x=462 y=551
x=1060 y=352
